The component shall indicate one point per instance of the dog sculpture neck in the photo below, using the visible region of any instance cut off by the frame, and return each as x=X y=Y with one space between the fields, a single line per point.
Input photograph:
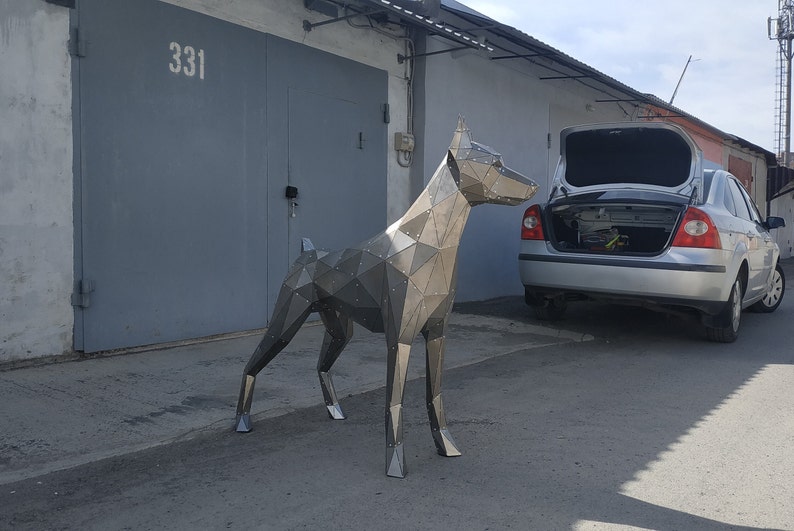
x=438 y=215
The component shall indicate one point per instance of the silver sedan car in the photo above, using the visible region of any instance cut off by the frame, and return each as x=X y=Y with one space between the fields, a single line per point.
x=633 y=218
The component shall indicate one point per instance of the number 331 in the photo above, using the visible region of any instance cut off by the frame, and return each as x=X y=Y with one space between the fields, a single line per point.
x=184 y=60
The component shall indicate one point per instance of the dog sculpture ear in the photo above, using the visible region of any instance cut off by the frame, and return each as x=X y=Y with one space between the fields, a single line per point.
x=461 y=141
x=452 y=166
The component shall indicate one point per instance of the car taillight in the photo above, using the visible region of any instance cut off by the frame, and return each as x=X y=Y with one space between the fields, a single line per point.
x=697 y=230
x=531 y=227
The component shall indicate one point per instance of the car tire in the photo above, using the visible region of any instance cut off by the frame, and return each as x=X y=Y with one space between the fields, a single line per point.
x=731 y=314
x=551 y=310
x=774 y=294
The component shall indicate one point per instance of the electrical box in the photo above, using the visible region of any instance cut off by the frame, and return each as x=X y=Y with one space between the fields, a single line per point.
x=404 y=142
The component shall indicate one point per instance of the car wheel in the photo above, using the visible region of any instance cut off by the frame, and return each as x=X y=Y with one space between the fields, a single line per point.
x=551 y=310
x=732 y=315
x=774 y=292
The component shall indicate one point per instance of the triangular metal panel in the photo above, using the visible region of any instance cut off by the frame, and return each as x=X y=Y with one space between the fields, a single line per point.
x=442 y=216
x=492 y=176
x=298 y=305
x=432 y=187
x=446 y=188
x=437 y=305
x=454 y=232
x=399 y=243
x=422 y=204
x=396 y=462
x=421 y=277
x=422 y=254
x=307 y=291
x=331 y=281
x=413 y=227
x=367 y=261
x=375 y=282
x=379 y=246
x=349 y=263
x=370 y=318
x=403 y=260
x=429 y=234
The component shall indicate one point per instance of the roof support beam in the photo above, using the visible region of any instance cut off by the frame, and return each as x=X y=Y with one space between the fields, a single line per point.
x=402 y=58
x=567 y=77
x=308 y=26
x=618 y=100
x=523 y=56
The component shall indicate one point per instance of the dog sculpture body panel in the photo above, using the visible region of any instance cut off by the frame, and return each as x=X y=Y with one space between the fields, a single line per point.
x=400 y=282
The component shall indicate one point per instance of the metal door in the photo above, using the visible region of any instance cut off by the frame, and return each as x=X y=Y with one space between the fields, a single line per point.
x=342 y=198
x=173 y=191
x=328 y=136
x=188 y=130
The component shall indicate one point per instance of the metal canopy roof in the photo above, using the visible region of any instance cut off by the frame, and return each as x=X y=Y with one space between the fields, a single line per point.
x=499 y=42
x=467 y=28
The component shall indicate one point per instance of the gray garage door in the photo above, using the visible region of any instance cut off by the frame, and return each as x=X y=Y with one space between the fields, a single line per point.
x=185 y=154
x=328 y=118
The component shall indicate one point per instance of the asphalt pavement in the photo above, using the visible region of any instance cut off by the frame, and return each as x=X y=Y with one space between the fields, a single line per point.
x=613 y=419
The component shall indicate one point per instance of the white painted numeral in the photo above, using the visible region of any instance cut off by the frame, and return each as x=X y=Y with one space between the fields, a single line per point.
x=190 y=55
x=176 y=65
x=183 y=60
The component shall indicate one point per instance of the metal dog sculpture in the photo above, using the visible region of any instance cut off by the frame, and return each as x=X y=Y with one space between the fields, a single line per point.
x=401 y=282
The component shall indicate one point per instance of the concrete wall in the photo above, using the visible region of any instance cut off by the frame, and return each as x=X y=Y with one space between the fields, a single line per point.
x=36 y=245
x=508 y=108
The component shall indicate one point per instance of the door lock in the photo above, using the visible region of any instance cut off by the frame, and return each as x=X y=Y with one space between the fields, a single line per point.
x=291 y=194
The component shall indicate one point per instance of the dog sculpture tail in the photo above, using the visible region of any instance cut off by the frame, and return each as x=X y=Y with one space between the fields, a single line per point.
x=306 y=245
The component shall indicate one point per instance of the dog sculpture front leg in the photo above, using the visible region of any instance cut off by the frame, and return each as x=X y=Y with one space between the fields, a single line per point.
x=396 y=371
x=338 y=331
x=434 y=341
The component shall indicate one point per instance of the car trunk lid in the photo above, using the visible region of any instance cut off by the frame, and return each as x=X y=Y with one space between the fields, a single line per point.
x=647 y=155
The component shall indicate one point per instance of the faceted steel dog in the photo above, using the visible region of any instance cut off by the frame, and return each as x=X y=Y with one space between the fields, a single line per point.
x=401 y=282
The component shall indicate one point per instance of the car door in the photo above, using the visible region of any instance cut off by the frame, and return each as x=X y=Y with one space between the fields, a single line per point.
x=766 y=243
x=758 y=241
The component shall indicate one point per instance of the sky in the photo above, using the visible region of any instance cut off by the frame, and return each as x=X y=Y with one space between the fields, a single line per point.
x=730 y=83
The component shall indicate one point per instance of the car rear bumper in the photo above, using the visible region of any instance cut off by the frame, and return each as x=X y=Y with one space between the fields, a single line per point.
x=693 y=278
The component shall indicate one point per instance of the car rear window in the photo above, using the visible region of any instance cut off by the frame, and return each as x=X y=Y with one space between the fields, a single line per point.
x=649 y=156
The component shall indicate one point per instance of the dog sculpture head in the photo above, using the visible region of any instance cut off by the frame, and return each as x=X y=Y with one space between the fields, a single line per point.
x=481 y=175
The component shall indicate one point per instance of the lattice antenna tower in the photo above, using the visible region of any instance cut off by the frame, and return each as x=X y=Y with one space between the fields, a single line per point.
x=781 y=29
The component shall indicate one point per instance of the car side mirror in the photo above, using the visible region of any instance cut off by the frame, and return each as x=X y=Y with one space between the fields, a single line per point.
x=774 y=222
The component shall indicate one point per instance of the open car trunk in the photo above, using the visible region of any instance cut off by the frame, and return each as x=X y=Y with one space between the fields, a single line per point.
x=622 y=187
x=607 y=227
